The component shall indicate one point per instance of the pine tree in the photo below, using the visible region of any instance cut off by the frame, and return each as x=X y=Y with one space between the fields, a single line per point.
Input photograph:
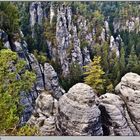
x=94 y=75
x=9 y=17
x=74 y=76
x=105 y=52
x=132 y=61
x=14 y=78
x=122 y=61
x=116 y=71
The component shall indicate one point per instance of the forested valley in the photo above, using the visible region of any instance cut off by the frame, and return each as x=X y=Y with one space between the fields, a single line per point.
x=57 y=57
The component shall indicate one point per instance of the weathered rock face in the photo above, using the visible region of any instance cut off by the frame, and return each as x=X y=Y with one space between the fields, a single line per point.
x=120 y=113
x=76 y=52
x=36 y=15
x=113 y=115
x=28 y=101
x=86 y=56
x=37 y=69
x=44 y=113
x=51 y=13
x=4 y=38
x=62 y=37
x=81 y=112
x=69 y=47
x=78 y=113
x=51 y=81
x=133 y=24
x=114 y=46
x=129 y=90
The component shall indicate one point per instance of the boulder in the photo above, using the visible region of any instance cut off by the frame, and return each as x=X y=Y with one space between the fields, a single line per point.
x=44 y=114
x=129 y=91
x=38 y=71
x=51 y=81
x=113 y=115
x=78 y=113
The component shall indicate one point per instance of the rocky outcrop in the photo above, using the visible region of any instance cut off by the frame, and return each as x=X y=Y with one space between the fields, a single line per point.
x=120 y=113
x=51 y=81
x=27 y=100
x=69 y=45
x=36 y=15
x=114 y=46
x=44 y=113
x=36 y=67
x=78 y=113
x=113 y=115
x=76 y=52
x=81 y=112
x=131 y=24
x=62 y=37
x=4 y=38
x=129 y=91
x=86 y=56
x=51 y=13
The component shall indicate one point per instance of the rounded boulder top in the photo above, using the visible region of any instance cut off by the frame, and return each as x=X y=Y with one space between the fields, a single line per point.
x=78 y=113
x=81 y=93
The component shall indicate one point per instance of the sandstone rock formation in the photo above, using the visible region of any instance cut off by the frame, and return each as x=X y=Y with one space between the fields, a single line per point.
x=113 y=115
x=36 y=14
x=44 y=113
x=129 y=91
x=62 y=37
x=114 y=46
x=81 y=112
x=120 y=113
x=51 y=81
x=78 y=113
x=46 y=79
x=37 y=69
x=132 y=24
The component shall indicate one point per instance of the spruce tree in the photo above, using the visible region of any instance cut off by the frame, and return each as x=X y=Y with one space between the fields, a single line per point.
x=122 y=61
x=94 y=75
x=132 y=61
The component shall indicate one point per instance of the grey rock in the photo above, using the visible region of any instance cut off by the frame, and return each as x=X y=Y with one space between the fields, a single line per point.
x=51 y=81
x=46 y=103
x=36 y=15
x=4 y=38
x=78 y=113
x=62 y=37
x=129 y=90
x=76 y=54
x=103 y=34
x=44 y=113
x=52 y=13
x=86 y=56
x=114 y=46
x=27 y=100
x=106 y=24
x=113 y=115
x=49 y=127
x=133 y=24
x=37 y=69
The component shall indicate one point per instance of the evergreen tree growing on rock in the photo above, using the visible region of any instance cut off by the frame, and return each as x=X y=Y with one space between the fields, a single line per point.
x=94 y=75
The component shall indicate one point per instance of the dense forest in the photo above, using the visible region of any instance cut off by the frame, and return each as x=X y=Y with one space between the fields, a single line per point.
x=95 y=43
